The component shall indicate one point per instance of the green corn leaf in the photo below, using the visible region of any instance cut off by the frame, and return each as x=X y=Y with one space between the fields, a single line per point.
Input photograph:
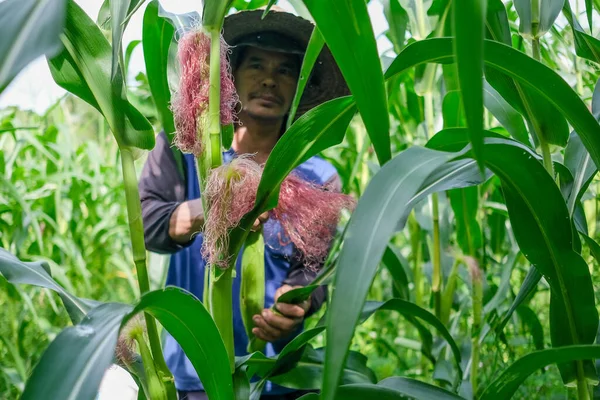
x=496 y=23
x=506 y=385
x=589 y=11
x=453 y=110
x=84 y=69
x=465 y=204
x=543 y=231
x=529 y=286
x=531 y=320
x=313 y=49
x=28 y=30
x=307 y=373
x=412 y=311
x=468 y=22
x=586 y=46
x=370 y=228
x=213 y=13
x=38 y=274
x=395 y=388
x=398 y=269
x=578 y=161
x=157 y=34
x=73 y=365
x=397 y=19
x=505 y=114
x=516 y=65
x=581 y=166
x=347 y=30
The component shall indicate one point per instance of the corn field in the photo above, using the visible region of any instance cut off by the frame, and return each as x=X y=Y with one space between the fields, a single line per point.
x=467 y=269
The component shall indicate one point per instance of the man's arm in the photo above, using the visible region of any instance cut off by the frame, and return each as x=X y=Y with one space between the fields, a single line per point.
x=169 y=221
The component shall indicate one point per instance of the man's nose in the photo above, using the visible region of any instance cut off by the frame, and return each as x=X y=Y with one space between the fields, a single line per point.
x=269 y=82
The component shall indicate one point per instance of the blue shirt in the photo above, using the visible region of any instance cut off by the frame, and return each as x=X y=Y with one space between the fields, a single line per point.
x=186 y=270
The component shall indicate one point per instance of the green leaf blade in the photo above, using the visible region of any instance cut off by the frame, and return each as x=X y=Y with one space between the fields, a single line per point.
x=28 y=29
x=468 y=18
x=347 y=30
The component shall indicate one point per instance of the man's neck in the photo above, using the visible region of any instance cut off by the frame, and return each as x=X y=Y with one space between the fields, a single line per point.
x=257 y=137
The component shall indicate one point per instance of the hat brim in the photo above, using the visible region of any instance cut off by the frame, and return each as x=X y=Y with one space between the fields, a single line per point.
x=325 y=82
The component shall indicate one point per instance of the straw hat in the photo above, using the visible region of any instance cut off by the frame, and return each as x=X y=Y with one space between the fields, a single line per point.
x=285 y=32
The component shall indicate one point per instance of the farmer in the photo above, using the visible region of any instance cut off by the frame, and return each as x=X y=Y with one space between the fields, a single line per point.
x=266 y=58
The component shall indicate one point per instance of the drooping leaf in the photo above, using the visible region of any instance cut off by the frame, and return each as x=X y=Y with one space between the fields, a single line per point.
x=84 y=69
x=511 y=378
x=73 y=365
x=346 y=27
x=518 y=66
x=586 y=46
x=369 y=230
x=28 y=30
x=468 y=18
x=38 y=274
x=505 y=114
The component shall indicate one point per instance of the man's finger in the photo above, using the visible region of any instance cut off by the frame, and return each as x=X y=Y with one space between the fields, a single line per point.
x=263 y=217
x=260 y=323
x=290 y=310
x=280 y=322
x=259 y=333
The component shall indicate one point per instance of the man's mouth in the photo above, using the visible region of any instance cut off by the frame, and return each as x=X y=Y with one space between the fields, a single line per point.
x=271 y=98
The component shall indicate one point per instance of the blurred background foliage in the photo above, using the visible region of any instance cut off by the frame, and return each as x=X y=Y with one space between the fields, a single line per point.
x=62 y=200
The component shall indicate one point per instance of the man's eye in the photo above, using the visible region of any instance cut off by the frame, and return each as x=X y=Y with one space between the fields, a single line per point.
x=285 y=71
x=255 y=66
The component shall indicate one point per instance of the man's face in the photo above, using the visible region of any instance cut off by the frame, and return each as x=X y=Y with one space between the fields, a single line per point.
x=266 y=83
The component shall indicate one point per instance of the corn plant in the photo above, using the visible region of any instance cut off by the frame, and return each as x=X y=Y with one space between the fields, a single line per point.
x=504 y=185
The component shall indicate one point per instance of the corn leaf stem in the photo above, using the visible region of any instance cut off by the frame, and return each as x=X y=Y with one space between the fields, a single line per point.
x=136 y=232
x=477 y=300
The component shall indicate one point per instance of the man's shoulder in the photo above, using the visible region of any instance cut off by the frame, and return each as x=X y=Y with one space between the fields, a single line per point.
x=317 y=170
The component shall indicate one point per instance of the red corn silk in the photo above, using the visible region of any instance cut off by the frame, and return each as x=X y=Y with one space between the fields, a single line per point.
x=191 y=100
x=308 y=213
x=230 y=194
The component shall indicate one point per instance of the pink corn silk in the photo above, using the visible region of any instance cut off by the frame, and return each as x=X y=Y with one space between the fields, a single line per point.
x=308 y=213
x=228 y=201
x=191 y=100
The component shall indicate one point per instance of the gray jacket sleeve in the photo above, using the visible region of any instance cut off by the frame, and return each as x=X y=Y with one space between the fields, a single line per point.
x=162 y=189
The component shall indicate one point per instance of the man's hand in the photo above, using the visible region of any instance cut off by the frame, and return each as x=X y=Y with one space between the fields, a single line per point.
x=270 y=326
x=262 y=218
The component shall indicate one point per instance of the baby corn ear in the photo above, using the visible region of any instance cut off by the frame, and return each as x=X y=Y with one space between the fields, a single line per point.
x=252 y=286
